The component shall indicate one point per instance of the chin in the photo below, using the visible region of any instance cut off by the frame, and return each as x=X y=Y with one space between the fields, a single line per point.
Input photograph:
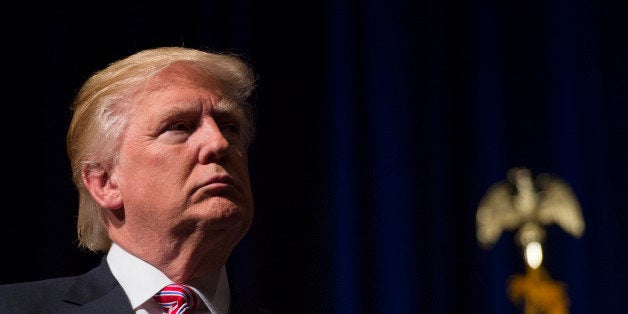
x=225 y=214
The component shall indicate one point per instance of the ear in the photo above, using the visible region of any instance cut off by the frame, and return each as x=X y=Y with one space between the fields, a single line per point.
x=102 y=186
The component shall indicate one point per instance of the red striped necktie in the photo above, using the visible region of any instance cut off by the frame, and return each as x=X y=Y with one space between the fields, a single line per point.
x=177 y=299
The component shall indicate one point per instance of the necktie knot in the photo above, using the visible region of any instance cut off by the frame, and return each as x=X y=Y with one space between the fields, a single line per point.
x=177 y=299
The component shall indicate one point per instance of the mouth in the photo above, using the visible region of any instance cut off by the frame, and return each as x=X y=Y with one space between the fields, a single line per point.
x=218 y=185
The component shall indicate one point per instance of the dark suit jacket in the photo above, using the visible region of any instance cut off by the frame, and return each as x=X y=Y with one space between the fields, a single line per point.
x=94 y=292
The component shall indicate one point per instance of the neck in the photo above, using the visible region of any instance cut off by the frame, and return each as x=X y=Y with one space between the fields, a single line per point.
x=181 y=258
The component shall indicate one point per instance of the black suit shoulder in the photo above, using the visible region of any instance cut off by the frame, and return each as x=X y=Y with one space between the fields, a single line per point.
x=96 y=291
x=32 y=297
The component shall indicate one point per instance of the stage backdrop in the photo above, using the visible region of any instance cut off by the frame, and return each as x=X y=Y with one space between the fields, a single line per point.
x=381 y=126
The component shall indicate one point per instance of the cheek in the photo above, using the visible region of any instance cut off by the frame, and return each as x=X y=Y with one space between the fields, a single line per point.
x=242 y=168
x=155 y=192
x=152 y=178
x=242 y=160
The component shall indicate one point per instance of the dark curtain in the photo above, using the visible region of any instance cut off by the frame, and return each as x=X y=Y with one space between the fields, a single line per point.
x=381 y=126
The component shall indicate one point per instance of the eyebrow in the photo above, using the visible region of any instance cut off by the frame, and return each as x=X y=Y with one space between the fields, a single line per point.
x=175 y=110
x=226 y=105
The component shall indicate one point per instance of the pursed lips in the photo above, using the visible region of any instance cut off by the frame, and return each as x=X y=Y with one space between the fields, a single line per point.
x=216 y=183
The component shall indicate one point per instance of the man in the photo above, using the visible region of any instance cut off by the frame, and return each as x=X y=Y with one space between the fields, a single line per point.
x=158 y=147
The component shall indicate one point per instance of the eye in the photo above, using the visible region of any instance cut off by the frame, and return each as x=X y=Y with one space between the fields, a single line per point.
x=230 y=128
x=179 y=126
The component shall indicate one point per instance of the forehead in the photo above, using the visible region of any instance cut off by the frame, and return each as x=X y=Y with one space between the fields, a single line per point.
x=180 y=82
x=182 y=85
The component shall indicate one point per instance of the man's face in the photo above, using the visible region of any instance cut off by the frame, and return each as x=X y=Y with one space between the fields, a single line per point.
x=183 y=165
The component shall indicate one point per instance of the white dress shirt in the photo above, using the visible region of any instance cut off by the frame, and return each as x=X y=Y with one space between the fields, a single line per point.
x=141 y=281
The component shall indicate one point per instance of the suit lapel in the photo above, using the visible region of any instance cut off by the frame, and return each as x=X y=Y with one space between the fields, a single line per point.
x=98 y=291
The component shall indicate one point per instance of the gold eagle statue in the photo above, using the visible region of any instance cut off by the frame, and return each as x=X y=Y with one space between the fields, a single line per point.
x=527 y=204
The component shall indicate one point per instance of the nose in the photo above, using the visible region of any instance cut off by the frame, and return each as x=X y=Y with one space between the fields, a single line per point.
x=213 y=144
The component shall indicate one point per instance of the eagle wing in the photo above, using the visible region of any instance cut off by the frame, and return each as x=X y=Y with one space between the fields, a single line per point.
x=558 y=204
x=496 y=213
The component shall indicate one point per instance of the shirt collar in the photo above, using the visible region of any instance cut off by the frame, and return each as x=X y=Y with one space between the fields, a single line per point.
x=141 y=280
